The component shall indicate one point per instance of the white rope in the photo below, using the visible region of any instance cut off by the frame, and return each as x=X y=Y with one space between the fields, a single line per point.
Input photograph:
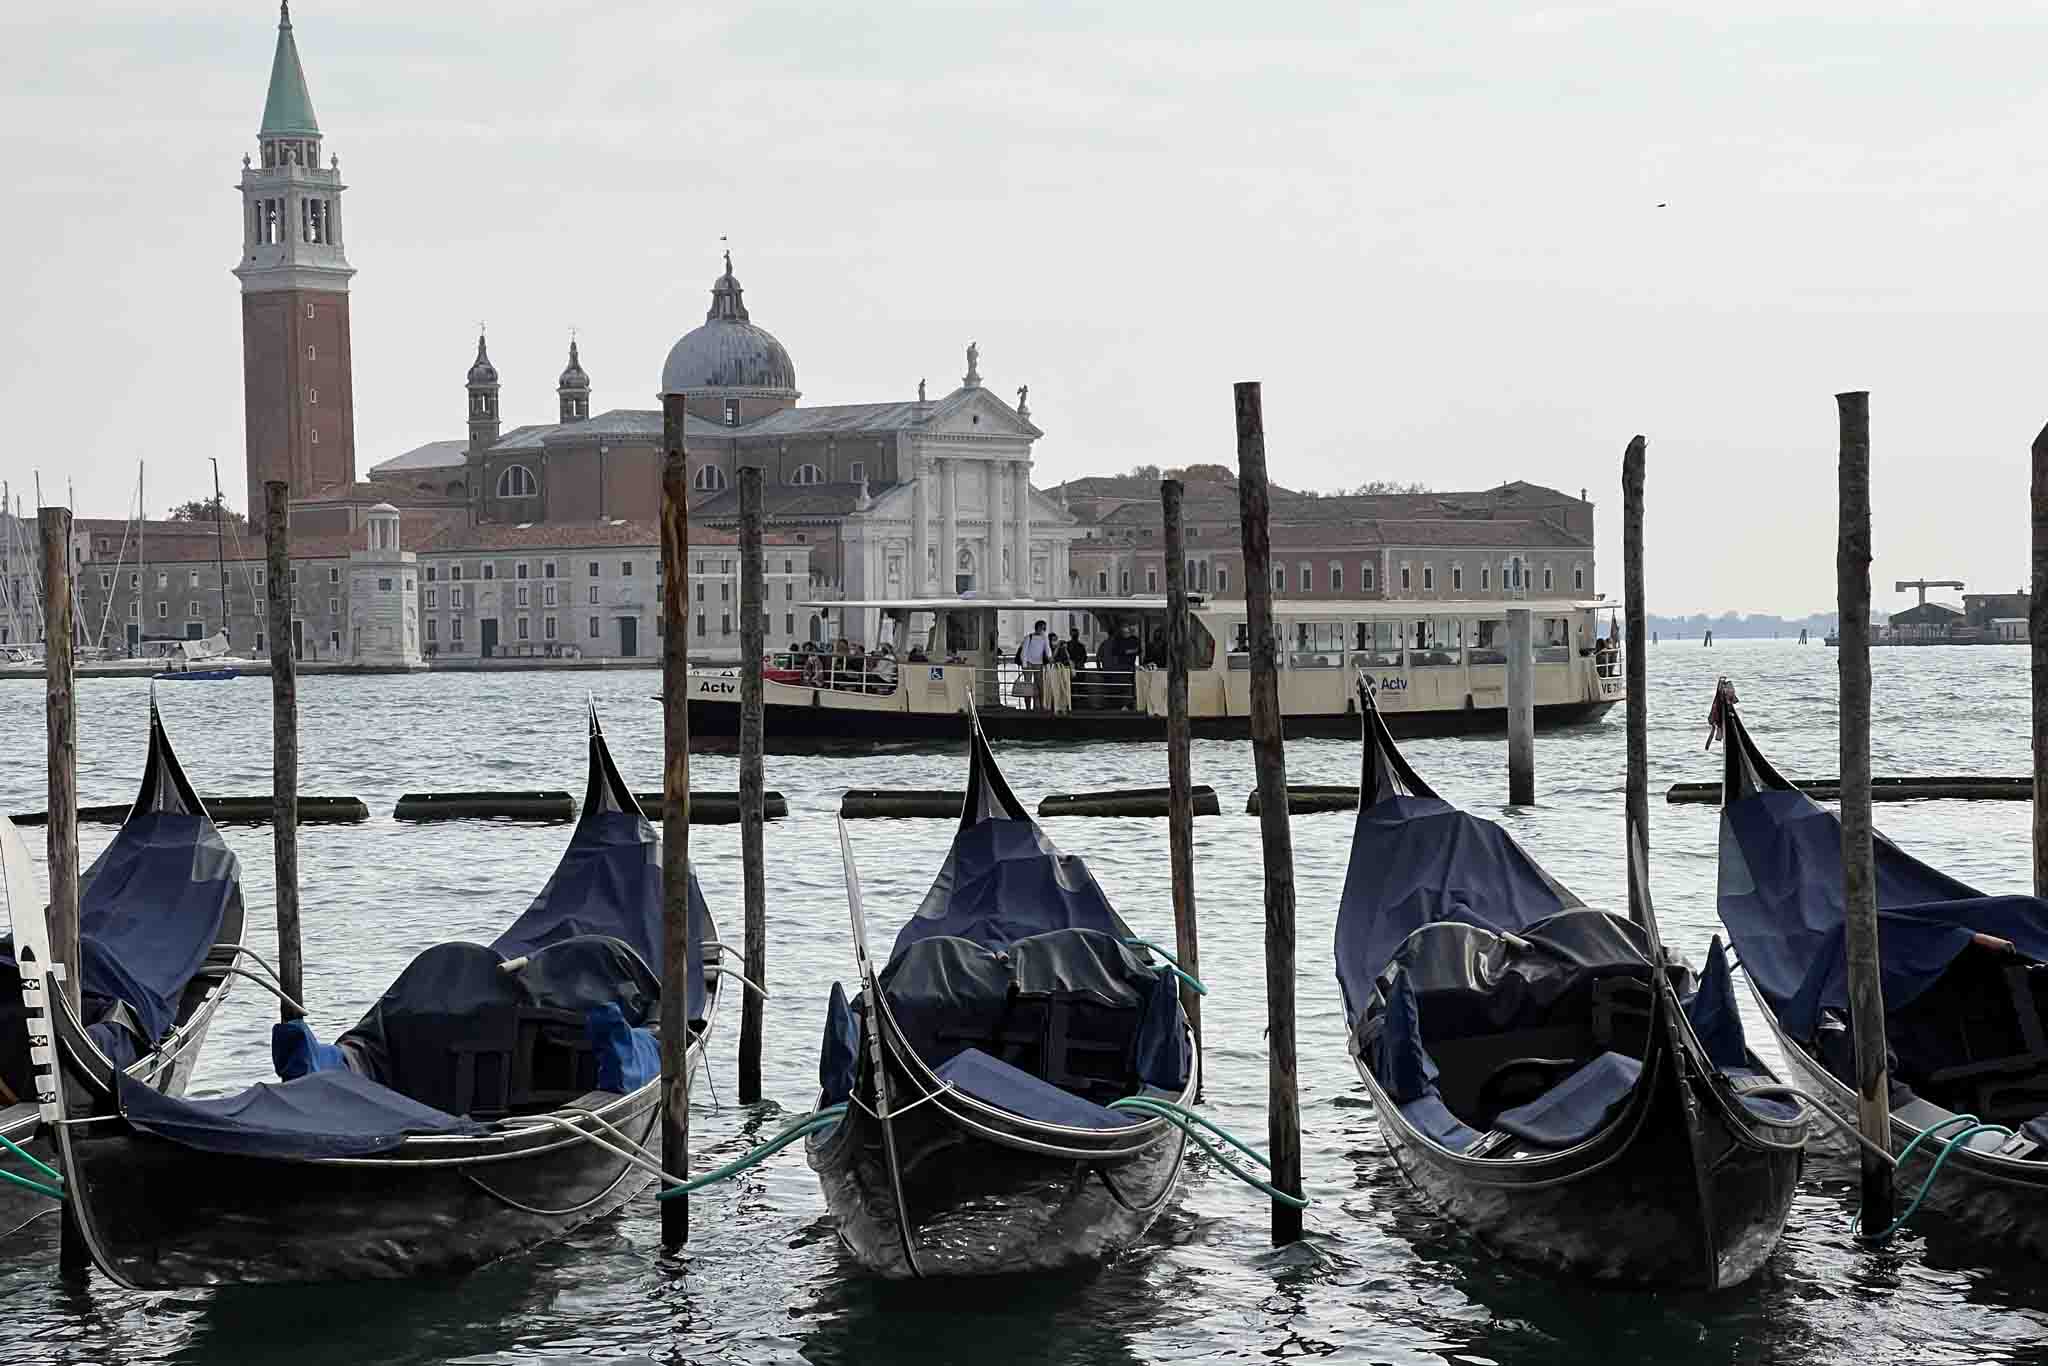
x=944 y=1087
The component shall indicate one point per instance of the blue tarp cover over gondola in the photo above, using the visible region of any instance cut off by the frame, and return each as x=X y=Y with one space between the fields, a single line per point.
x=325 y=1114
x=1781 y=899
x=151 y=908
x=1016 y=950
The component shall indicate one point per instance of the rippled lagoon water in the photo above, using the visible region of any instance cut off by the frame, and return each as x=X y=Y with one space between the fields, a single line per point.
x=1379 y=1277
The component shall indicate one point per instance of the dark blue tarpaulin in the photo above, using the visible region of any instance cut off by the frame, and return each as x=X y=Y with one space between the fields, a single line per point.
x=1576 y=1108
x=325 y=1114
x=1013 y=1089
x=1781 y=899
x=1416 y=861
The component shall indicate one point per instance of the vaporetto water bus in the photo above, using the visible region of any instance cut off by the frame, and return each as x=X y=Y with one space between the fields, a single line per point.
x=1440 y=668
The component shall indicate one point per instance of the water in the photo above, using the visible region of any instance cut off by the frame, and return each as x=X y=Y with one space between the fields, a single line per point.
x=1379 y=1277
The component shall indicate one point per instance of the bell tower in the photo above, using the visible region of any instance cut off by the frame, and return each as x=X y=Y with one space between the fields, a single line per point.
x=298 y=394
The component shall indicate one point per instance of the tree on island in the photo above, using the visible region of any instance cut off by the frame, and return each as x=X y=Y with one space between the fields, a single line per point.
x=203 y=510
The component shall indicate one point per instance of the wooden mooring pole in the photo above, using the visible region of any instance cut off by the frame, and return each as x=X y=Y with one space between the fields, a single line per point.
x=753 y=644
x=60 y=719
x=1859 y=882
x=284 y=737
x=678 y=943
x=1521 y=699
x=1636 y=801
x=1180 y=796
x=2037 y=647
x=1283 y=1101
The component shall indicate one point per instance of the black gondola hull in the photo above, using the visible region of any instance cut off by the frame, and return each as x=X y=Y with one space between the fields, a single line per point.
x=160 y=1215
x=1677 y=1192
x=978 y=1207
x=2002 y=1202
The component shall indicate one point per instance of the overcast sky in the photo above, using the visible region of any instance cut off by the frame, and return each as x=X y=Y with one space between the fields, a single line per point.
x=1432 y=231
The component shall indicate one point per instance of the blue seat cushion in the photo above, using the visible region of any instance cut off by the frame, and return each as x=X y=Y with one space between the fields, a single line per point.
x=1771 y=1109
x=1429 y=1114
x=1012 y=1088
x=1573 y=1110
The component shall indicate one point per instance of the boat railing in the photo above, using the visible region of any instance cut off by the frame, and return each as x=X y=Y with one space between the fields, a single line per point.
x=1061 y=688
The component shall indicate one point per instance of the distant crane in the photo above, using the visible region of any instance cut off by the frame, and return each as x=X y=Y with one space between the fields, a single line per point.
x=1924 y=584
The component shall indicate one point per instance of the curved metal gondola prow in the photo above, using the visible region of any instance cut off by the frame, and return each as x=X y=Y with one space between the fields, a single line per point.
x=988 y=792
x=164 y=786
x=603 y=788
x=1744 y=769
x=1386 y=772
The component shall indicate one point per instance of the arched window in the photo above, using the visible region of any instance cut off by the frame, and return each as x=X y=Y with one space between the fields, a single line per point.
x=517 y=482
x=807 y=474
x=708 y=479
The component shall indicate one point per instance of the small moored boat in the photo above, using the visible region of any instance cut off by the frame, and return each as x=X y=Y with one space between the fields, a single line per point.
x=1965 y=979
x=496 y=1097
x=983 y=1065
x=1542 y=1072
x=160 y=940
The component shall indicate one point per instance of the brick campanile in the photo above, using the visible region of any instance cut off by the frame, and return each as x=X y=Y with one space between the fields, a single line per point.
x=298 y=396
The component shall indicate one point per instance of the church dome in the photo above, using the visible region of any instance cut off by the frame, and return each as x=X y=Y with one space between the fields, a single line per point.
x=573 y=375
x=728 y=351
x=482 y=372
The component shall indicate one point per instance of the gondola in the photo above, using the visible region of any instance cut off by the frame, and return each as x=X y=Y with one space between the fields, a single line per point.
x=497 y=1096
x=981 y=1064
x=1965 y=981
x=160 y=929
x=1543 y=1073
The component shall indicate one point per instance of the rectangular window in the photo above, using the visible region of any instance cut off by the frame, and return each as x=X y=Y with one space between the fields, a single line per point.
x=593 y=628
x=192 y=609
x=789 y=623
x=522 y=595
x=547 y=596
x=1151 y=581
x=163 y=580
x=547 y=569
x=1102 y=581
x=295 y=578
x=725 y=623
x=593 y=571
x=700 y=590
x=455 y=573
x=455 y=631
x=725 y=566
x=789 y=566
x=490 y=570
x=1485 y=577
x=1546 y=578
x=625 y=569
x=259 y=578
x=725 y=591
x=547 y=628
x=192 y=579
x=732 y=419
x=857 y=472
x=1308 y=577
x=135 y=580
x=1457 y=578
x=433 y=630
x=1578 y=578
x=1336 y=577
x=519 y=570
x=334 y=607
x=521 y=629
x=700 y=564
x=593 y=595
x=700 y=623
x=432 y=574
x=1407 y=578
x=106 y=583
x=455 y=598
x=1428 y=578
x=1124 y=582
x=333 y=574
x=131 y=610
x=1222 y=579
x=163 y=611
x=1279 y=579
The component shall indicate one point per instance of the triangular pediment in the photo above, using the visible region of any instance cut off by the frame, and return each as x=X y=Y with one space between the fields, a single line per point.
x=956 y=415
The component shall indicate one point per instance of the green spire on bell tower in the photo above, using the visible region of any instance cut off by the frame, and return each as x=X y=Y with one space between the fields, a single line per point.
x=288 y=110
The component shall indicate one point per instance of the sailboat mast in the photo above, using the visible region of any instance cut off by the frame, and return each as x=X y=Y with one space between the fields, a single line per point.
x=141 y=555
x=219 y=566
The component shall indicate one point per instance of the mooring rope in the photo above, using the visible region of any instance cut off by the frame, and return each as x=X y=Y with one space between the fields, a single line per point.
x=54 y=1192
x=811 y=1123
x=1171 y=965
x=1186 y=1120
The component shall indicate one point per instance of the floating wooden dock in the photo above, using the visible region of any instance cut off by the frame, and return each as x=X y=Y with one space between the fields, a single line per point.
x=464 y=806
x=716 y=808
x=1306 y=799
x=1128 y=801
x=1960 y=788
x=873 y=803
x=230 y=811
